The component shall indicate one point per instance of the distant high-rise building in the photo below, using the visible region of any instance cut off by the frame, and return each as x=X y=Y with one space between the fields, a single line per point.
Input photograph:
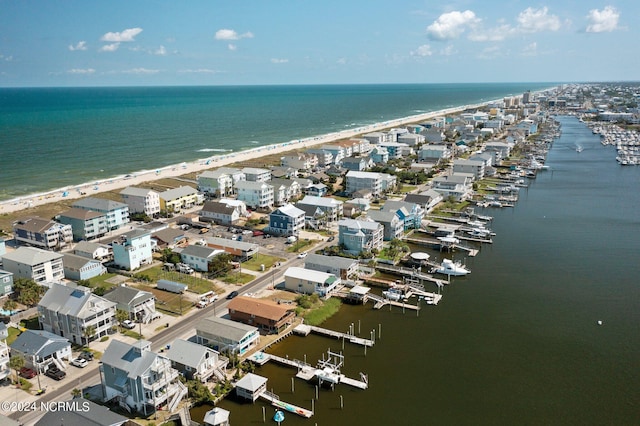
x=526 y=97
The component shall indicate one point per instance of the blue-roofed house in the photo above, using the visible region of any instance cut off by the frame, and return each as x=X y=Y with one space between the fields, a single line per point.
x=39 y=348
x=139 y=379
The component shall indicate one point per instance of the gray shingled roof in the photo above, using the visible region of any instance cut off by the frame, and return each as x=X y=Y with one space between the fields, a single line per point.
x=99 y=204
x=123 y=295
x=129 y=358
x=74 y=301
x=31 y=256
x=88 y=413
x=39 y=342
x=224 y=328
x=187 y=353
x=333 y=261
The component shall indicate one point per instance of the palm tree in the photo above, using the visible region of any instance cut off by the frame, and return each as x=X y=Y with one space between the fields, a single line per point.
x=16 y=363
x=88 y=332
x=76 y=393
x=121 y=315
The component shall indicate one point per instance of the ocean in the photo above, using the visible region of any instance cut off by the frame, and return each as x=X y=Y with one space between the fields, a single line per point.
x=516 y=342
x=51 y=138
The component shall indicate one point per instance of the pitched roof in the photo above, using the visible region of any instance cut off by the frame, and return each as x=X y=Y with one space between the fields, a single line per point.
x=35 y=224
x=31 y=256
x=289 y=210
x=74 y=261
x=182 y=191
x=227 y=329
x=187 y=353
x=334 y=261
x=73 y=301
x=85 y=413
x=134 y=359
x=218 y=207
x=136 y=192
x=309 y=275
x=39 y=342
x=82 y=214
x=124 y=295
x=259 y=308
x=99 y=204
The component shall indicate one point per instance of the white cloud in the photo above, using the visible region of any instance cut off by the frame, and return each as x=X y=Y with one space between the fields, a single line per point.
x=530 y=49
x=603 y=20
x=448 y=51
x=199 y=71
x=124 y=36
x=81 y=45
x=451 y=25
x=81 y=71
x=110 y=47
x=493 y=34
x=232 y=47
x=140 y=71
x=279 y=61
x=226 y=34
x=424 y=50
x=160 y=51
x=535 y=20
x=6 y=58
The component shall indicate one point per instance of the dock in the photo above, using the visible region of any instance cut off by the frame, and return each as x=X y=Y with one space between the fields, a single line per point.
x=304 y=330
x=276 y=402
x=410 y=272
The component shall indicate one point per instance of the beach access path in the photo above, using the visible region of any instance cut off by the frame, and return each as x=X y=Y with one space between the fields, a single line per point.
x=134 y=179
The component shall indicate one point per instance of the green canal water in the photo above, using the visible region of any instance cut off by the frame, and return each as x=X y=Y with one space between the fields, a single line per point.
x=518 y=340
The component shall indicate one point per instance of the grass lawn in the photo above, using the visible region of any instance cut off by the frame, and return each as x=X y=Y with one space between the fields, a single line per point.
x=167 y=302
x=195 y=283
x=317 y=316
x=101 y=281
x=261 y=259
x=13 y=334
x=233 y=277
x=299 y=246
x=407 y=188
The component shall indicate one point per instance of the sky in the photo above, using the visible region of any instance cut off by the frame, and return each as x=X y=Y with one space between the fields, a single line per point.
x=55 y=43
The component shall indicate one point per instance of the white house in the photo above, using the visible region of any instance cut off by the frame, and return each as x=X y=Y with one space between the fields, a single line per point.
x=141 y=200
x=256 y=194
x=35 y=264
x=198 y=257
x=217 y=183
x=256 y=174
x=307 y=281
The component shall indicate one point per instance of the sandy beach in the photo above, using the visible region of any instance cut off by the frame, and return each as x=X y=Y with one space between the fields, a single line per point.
x=134 y=179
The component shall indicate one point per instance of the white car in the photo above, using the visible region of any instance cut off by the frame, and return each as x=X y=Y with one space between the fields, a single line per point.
x=302 y=255
x=79 y=362
x=128 y=324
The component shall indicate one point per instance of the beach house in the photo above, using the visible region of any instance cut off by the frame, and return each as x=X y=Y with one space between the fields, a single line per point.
x=364 y=180
x=225 y=335
x=6 y=282
x=117 y=214
x=141 y=200
x=176 y=199
x=5 y=369
x=42 y=233
x=81 y=268
x=132 y=250
x=215 y=183
x=257 y=195
x=76 y=313
x=269 y=317
x=331 y=207
x=285 y=190
x=256 y=174
x=300 y=161
x=219 y=213
x=434 y=153
x=325 y=157
x=392 y=223
x=310 y=281
x=410 y=213
x=91 y=250
x=139 y=304
x=455 y=185
x=85 y=224
x=138 y=379
x=286 y=220
x=41 y=349
x=240 y=250
x=474 y=167
x=360 y=235
x=198 y=257
x=379 y=155
x=197 y=362
x=343 y=267
x=41 y=266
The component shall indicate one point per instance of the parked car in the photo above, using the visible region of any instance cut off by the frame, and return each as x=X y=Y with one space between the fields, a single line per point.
x=302 y=255
x=128 y=324
x=86 y=355
x=232 y=295
x=55 y=373
x=331 y=238
x=79 y=362
x=27 y=373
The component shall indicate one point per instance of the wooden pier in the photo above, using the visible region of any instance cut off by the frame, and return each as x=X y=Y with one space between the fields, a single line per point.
x=276 y=402
x=304 y=330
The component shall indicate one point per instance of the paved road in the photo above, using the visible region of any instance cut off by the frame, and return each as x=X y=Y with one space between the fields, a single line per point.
x=183 y=329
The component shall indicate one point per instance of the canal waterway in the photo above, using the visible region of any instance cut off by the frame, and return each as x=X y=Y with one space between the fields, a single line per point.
x=519 y=340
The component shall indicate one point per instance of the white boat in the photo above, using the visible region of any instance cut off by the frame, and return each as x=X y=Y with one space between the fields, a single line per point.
x=579 y=149
x=449 y=267
x=394 y=294
x=480 y=233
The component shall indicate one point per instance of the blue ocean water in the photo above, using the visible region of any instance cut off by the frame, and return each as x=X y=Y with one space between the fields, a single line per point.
x=51 y=138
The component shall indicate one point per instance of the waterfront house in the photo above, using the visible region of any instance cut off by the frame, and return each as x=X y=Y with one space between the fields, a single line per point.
x=81 y=268
x=240 y=250
x=286 y=220
x=176 y=199
x=390 y=220
x=139 y=304
x=138 y=379
x=215 y=183
x=236 y=174
x=85 y=224
x=426 y=199
x=257 y=195
x=132 y=250
x=225 y=335
x=337 y=151
x=377 y=137
x=69 y=310
x=141 y=200
x=476 y=168
x=251 y=386
x=331 y=207
x=256 y=174
x=91 y=250
x=197 y=362
x=117 y=214
x=219 y=213
x=42 y=233
x=455 y=185
x=270 y=317
x=377 y=183
x=325 y=157
x=305 y=162
x=198 y=257
x=317 y=190
x=343 y=267
x=41 y=349
x=216 y=417
x=6 y=282
x=41 y=266
x=410 y=213
x=283 y=172
x=397 y=150
x=5 y=369
x=310 y=281
x=360 y=235
x=285 y=190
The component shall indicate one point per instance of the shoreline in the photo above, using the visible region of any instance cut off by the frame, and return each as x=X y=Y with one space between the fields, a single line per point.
x=136 y=178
